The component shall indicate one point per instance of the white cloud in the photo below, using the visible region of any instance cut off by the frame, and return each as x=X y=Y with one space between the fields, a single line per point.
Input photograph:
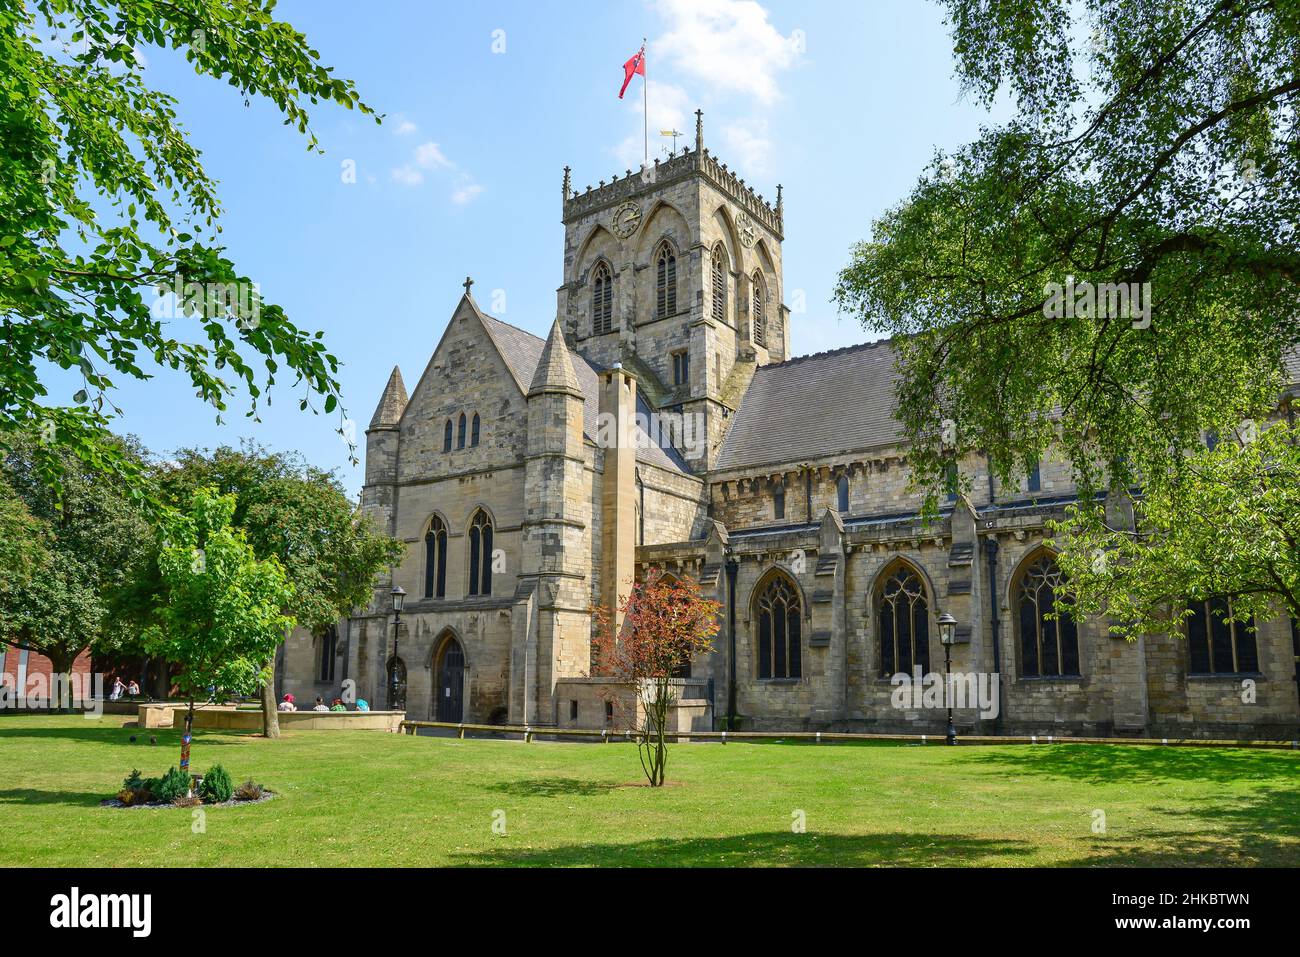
x=670 y=106
x=408 y=175
x=405 y=128
x=466 y=190
x=728 y=45
x=747 y=143
x=430 y=155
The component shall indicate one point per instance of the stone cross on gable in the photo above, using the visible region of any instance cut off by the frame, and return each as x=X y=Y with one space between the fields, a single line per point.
x=468 y=282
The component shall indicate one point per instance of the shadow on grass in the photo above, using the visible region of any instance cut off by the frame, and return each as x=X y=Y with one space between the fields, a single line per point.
x=32 y=796
x=553 y=787
x=1259 y=826
x=115 y=735
x=1103 y=763
x=769 y=849
x=1261 y=830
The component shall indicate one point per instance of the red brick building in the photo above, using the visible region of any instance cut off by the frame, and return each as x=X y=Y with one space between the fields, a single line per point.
x=27 y=671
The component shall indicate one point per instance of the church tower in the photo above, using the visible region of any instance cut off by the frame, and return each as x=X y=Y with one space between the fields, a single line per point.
x=675 y=272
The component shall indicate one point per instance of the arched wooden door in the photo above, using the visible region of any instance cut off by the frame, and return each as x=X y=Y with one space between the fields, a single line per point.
x=449 y=692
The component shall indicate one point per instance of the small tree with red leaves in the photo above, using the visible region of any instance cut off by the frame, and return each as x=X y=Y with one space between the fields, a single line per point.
x=666 y=623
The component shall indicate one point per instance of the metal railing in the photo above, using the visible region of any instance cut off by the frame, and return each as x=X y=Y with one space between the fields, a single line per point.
x=829 y=737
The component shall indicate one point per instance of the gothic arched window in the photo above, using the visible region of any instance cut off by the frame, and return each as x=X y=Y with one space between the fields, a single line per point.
x=602 y=300
x=460 y=432
x=480 y=554
x=1049 y=648
x=720 y=268
x=759 y=317
x=435 y=560
x=778 y=619
x=329 y=644
x=474 y=430
x=666 y=281
x=842 y=494
x=1216 y=644
x=904 y=622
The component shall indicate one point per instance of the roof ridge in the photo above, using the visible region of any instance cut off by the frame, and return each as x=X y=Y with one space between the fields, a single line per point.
x=829 y=352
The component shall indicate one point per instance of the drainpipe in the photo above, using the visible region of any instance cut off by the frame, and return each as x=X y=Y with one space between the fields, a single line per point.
x=991 y=551
x=732 y=567
x=640 y=487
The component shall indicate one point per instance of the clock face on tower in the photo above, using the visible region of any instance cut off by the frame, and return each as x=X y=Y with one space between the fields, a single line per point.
x=626 y=220
x=745 y=226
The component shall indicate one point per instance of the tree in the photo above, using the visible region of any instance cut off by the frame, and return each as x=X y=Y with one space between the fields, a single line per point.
x=301 y=516
x=1116 y=269
x=1230 y=530
x=84 y=549
x=22 y=537
x=666 y=623
x=221 y=615
x=105 y=201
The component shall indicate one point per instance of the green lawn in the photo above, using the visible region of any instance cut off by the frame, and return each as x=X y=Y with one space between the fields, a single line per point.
x=368 y=798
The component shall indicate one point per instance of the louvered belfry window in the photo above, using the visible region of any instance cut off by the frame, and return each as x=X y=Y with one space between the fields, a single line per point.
x=760 y=320
x=602 y=301
x=719 y=284
x=666 y=281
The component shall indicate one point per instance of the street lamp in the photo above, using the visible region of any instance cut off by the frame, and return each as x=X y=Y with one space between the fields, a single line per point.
x=948 y=635
x=399 y=599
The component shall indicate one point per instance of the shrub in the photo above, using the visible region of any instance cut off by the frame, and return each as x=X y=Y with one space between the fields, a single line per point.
x=217 y=786
x=133 y=781
x=174 y=784
x=193 y=801
x=249 y=791
x=128 y=796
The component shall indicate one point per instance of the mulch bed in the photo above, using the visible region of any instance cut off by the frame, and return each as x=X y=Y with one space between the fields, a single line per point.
x=114 y=802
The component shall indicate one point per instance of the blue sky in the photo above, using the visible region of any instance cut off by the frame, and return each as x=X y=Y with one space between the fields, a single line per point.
x=842 y=103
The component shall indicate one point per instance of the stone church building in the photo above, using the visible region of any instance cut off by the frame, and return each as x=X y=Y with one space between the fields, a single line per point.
x=666 y=423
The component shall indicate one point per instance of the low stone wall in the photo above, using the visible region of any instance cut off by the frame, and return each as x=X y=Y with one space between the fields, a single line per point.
x=581 y=703
x=223 y=718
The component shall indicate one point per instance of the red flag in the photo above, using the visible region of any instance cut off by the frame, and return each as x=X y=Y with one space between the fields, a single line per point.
x=631 y=67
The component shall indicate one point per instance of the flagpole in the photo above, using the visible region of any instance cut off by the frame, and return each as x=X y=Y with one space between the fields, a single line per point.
x=646 y=104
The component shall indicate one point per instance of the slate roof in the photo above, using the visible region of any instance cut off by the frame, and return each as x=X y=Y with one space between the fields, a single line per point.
x=819 y=405
x=814 y=406
x=522 y=352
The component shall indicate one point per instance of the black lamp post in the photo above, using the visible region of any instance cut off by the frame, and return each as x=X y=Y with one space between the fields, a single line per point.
x=948 y=635
x=399 y=599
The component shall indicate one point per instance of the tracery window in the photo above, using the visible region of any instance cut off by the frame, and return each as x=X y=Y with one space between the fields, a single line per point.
x=1048 y=648
x=779 y=622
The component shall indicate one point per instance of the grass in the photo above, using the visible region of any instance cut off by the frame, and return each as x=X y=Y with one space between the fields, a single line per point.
x=368 y=798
